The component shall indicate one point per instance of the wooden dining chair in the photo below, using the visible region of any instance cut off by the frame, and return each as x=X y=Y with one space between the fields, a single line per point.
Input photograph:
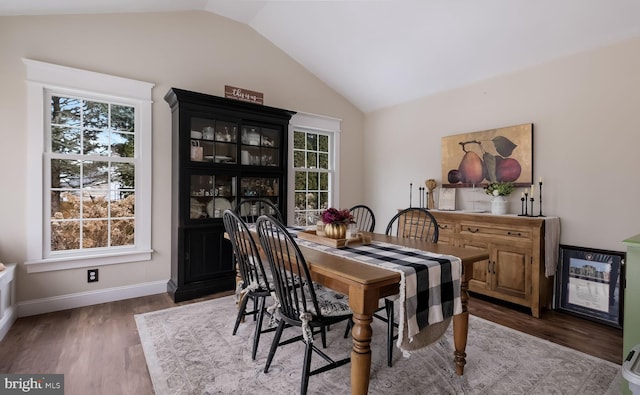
x=302 y=303
x=250 y=209
x=255 y=284
x=364 y=217
x=413 y=223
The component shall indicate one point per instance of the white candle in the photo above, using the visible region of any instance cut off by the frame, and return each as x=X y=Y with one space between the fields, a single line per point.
x=526 y=191
x=532 y=189
x=522 y=194
x=540 y=180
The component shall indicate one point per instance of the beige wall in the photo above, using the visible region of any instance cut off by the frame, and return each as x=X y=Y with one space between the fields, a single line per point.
x=585 y=111
x=195 y=51
x=586 y=114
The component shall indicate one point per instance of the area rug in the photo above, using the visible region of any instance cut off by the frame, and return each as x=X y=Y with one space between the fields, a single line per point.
x=190 y=350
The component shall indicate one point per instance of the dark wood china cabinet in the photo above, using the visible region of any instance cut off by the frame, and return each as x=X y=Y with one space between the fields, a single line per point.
x=223 y=151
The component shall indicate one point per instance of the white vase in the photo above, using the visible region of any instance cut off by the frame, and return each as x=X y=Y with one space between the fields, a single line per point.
x=499 y=205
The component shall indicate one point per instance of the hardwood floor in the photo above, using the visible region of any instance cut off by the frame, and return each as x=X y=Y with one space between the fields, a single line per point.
x=97 y=347
x=98 y=350
x=589 y=337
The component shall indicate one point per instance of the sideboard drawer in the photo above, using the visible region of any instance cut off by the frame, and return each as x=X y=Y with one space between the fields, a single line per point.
x=477 y=229
x=446 y=232
x=446 y=228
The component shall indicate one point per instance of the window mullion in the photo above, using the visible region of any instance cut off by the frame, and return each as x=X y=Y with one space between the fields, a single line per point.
x=81 y=203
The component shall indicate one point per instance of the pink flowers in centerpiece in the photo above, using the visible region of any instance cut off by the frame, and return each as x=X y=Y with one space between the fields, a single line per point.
x=335 y=216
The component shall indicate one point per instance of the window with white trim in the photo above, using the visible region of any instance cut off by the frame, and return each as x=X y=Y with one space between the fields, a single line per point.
x=314 y=142
x=90 y=147
x=89 y=168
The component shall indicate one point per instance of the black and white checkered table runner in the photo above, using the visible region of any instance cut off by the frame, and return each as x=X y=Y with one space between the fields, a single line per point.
x=429 y=285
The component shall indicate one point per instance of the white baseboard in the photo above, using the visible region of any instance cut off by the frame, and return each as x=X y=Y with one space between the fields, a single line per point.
x=81 y=299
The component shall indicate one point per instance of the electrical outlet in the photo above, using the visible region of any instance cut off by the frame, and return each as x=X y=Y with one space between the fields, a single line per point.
x=92 y=275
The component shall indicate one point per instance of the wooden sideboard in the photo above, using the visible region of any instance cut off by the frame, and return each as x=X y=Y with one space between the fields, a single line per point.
x=515 y=270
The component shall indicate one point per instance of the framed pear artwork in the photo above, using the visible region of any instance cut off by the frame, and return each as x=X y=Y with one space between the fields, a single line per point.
x=496 y=155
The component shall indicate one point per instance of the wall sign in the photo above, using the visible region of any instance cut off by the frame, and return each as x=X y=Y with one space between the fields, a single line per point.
x=231 y=92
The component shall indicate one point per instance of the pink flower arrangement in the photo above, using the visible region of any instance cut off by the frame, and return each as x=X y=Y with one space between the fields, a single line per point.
x=335 y=216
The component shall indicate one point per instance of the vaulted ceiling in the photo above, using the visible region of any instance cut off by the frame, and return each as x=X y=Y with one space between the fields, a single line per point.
x=379 y=53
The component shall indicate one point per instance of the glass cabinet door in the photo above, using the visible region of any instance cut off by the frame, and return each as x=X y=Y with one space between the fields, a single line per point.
x=260 y=146
x=267 y=188
x=213 y=141
x=211 y=195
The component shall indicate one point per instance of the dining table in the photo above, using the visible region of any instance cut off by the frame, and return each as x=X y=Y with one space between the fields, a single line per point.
x=366 y=285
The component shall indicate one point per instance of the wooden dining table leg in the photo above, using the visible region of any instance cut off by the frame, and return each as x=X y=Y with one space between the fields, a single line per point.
x=460 y=330
x=363 y=305
x=461 y=322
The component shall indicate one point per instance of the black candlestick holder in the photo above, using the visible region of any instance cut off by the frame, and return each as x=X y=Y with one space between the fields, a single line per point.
x=410 y=194
x=540 y=215
x=523 y=207
x=531 y=199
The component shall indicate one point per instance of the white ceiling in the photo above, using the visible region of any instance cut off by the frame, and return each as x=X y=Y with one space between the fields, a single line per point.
x=379 y=53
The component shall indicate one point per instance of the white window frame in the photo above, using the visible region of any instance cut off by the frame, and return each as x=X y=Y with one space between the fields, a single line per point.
x=43 y=79
x=316 y=124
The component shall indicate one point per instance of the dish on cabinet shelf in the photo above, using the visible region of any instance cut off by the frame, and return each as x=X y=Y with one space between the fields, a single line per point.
x=195 y=211
x=217 y=158
x=217 y=204
x=207 y=133
x=267 y=142
x=251 y=138
x=220 y=158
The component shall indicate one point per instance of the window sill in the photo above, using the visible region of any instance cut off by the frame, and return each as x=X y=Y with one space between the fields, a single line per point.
x=75 y=262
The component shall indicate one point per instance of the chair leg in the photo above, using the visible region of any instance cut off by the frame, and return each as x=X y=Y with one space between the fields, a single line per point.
x=348 y=328
x=254 y=309
x=274 y=345
x=388 y=304
x=306 y=367
x=258 y=330
x=323 y=335
x=241 y=311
